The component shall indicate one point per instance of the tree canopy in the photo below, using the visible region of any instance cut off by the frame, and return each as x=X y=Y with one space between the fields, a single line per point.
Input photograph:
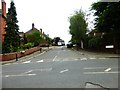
x=107 y=21
x=34 y=38
x=108 y=17
x=78 y=26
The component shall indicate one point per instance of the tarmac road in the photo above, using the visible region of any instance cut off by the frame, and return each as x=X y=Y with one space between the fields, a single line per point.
x=61 y=68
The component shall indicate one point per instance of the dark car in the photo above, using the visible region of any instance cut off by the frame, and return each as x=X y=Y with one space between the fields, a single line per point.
x=69 y=45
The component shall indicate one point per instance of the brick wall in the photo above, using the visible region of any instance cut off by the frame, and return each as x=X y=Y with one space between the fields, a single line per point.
x=11 y=56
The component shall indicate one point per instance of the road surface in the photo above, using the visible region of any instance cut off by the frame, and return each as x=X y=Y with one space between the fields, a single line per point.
x=61 y=68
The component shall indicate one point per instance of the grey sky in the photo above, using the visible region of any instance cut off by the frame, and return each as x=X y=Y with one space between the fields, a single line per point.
x=50 y=15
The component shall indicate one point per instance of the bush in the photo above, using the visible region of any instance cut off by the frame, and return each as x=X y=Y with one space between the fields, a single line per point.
x=34 y=38
x=95 y=42
x=27 y=46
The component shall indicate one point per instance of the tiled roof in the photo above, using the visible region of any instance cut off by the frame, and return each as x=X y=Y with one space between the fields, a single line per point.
x=31 y=30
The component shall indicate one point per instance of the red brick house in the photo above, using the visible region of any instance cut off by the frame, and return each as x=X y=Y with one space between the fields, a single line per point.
x=2 y=19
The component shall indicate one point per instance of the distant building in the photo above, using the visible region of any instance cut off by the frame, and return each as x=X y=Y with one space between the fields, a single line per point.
x=96 y=33
x=33 y=29
x=2 y=20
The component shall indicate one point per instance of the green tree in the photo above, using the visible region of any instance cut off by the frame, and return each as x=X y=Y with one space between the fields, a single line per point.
x=12 y=40
x=48 y=39
x=107 y=16
x=108 y=19
x=56 y=40
x=35 y=38
x=78 y=27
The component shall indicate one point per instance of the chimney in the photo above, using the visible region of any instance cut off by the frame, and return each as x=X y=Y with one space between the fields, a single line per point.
x=43 y=33
x=3 y=8
x=33 y=26
x=41 y=30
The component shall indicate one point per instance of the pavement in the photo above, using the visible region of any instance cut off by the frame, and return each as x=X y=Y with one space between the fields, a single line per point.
x=98 y=54
x=44 y=49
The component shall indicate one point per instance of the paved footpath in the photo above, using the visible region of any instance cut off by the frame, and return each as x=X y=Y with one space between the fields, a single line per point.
x=44 y=49
x=99 y=54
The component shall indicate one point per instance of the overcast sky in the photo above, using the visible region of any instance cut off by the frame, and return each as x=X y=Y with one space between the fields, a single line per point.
x=50 y=15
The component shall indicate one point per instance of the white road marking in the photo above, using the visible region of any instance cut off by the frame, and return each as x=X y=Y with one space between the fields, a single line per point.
x=33 y=56
x=45 y=69
x=54 y=58
x=94 y=68
x=101 y=72
x=98 y=67
x=19 y=75
x=8 y=64
x=31 y=74
x=27 y=72
x=64 y=70
x=40 y=61
x=76 y=59
x=12 y=75
x=108 y=69
x=27 y=61
x=92 y=58
x=83 y=59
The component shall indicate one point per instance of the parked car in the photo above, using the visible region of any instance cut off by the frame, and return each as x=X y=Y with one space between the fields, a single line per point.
x=61 y=43
x=70 y=45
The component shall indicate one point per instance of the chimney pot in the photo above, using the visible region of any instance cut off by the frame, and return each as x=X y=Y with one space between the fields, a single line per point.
x=33 y=26
x=41 y=30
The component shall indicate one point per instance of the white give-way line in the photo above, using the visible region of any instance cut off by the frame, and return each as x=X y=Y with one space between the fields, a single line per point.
x=30 y=72
x=20 y=75
x=54 y=58
x=64 y=70
x=27 y=61
x=105 y=70
x=40 y=61
x=99 y=68
x=101 y=72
